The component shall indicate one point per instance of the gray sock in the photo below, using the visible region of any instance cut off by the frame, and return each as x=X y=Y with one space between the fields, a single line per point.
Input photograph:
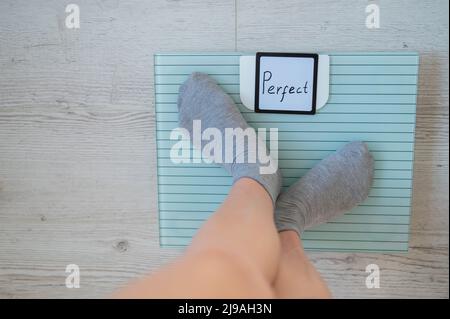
x=329 y=189
x=200 y=98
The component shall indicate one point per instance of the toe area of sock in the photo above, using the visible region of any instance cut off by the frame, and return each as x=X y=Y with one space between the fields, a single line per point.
x=359 y=151
x=196 y=85
x=194 y=82
x=363 y=162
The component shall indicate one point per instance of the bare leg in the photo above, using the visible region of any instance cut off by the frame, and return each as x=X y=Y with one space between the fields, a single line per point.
x=297 y=277
x=234 y=254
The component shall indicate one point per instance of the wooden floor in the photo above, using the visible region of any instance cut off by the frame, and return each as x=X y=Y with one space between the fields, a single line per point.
x=77 y=132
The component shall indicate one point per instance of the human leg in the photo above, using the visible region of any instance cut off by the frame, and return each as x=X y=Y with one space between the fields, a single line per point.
x=234 y=254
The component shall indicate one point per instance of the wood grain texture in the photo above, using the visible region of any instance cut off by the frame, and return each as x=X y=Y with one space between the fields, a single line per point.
x=77 y=142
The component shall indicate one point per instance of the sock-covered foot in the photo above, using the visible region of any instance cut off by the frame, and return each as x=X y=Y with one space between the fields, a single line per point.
x=335 y=185
x=200 y=98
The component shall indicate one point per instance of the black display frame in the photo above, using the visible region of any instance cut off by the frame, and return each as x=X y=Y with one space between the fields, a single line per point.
x=314 y=56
